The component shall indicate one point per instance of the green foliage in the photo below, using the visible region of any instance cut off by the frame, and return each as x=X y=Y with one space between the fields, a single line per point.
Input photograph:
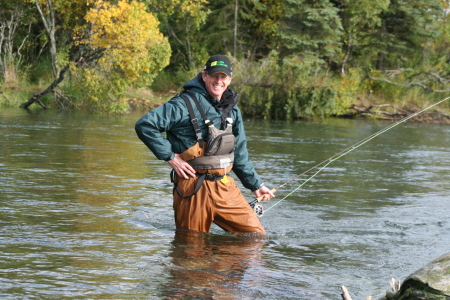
x=414 y=96
x=310 y=27
x=403 y=29
x=167 y=81
x=277 y=102
x=41 y=71
x=182 y=21
x=242 y=27
x=293 y=88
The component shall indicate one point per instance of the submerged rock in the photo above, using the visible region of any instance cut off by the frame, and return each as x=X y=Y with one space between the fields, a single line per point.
x=431 y=282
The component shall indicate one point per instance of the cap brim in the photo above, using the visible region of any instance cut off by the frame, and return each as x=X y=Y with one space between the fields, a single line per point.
x=214 y=70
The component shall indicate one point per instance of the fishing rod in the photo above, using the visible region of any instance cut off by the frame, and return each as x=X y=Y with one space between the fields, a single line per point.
x=258 y=208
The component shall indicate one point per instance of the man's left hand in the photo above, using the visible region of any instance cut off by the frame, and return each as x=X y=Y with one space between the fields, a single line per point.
x=181 y=167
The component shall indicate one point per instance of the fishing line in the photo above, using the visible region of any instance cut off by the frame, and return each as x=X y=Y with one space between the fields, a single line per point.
x=328 y=161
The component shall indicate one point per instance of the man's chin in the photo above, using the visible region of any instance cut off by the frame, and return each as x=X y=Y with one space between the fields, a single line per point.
x=217 y=95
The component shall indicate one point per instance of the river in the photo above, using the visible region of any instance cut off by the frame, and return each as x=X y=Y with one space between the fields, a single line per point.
x=86 y=212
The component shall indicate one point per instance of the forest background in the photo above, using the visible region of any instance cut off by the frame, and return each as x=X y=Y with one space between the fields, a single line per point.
x=291 y=58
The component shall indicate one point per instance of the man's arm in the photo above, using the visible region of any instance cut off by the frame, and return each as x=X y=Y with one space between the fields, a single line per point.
x=243 y=166
x=149 y=129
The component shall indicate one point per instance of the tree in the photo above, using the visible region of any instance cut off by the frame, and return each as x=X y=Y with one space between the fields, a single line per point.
x=134 y=51
x=399 y=39
x=48 y=17
x=181 y=21
x=358 y=19
x=242 y=27
x=121 y=46
x=427 y=64
x=310 y=29
x=60 y=19
x=10 y=22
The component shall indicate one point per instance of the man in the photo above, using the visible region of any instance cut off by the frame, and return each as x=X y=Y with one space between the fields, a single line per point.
x=203 y=191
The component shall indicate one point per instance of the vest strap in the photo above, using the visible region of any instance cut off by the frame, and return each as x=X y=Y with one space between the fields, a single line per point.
x=200 y=108
x=194 y=120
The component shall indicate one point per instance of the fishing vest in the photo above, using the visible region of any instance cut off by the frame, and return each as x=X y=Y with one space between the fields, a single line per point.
x=219 y=151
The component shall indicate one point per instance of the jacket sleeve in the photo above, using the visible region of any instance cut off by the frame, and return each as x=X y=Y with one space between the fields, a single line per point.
x=149 y=128
x=243 y=167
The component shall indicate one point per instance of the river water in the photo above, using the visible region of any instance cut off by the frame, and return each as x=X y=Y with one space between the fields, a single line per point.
x=86 y=212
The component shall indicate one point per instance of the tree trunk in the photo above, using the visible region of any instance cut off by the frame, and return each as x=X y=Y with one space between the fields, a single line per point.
x=380 y=63
x=49 y=21
x=236 y=7
x=347 y=54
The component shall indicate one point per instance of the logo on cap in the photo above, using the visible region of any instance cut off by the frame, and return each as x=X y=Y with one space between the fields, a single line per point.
x=219 y=63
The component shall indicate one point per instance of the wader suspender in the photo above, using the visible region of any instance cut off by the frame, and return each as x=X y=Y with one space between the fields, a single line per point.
x=200 y=141
x=201 y=178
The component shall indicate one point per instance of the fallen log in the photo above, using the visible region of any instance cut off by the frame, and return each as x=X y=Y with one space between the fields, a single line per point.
x=394 y=114
x=51 y=89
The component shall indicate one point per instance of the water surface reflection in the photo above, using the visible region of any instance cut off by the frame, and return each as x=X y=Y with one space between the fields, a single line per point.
x=205 y=266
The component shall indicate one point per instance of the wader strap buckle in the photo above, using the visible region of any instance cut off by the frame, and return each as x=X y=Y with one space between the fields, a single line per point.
x=210 y=177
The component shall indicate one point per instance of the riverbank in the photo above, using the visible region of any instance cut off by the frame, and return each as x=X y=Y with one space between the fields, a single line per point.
x=146 y=99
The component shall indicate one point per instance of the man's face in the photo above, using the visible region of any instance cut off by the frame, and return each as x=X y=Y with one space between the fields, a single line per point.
x=216 y=83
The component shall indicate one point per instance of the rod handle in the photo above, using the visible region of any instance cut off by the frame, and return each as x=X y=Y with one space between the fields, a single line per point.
x=261 y=197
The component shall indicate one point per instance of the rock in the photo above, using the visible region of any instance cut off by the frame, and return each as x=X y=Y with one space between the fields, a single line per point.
x=431 y=282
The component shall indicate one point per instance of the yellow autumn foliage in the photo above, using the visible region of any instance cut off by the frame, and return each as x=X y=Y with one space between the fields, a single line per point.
x=131 y=36
x=135 y=50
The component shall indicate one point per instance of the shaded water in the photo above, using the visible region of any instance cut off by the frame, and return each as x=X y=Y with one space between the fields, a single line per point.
x=86 y=212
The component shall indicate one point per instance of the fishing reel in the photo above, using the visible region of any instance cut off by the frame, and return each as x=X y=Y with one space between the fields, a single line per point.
x=257 y=208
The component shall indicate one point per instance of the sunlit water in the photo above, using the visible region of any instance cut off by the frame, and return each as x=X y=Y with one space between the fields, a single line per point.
x=86 y=212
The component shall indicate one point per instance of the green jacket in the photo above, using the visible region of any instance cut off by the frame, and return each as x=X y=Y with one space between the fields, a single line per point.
x=173 y=118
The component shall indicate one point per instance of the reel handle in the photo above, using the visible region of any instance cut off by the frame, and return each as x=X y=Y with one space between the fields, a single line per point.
x=260 y=198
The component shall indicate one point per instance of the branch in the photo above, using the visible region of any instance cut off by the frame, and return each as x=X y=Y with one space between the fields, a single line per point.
x=441 y=79
x=44 y=20
x=404 y=85
x=390 y=73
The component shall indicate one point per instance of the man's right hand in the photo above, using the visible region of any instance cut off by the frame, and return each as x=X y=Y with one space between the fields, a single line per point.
x=181 y=167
